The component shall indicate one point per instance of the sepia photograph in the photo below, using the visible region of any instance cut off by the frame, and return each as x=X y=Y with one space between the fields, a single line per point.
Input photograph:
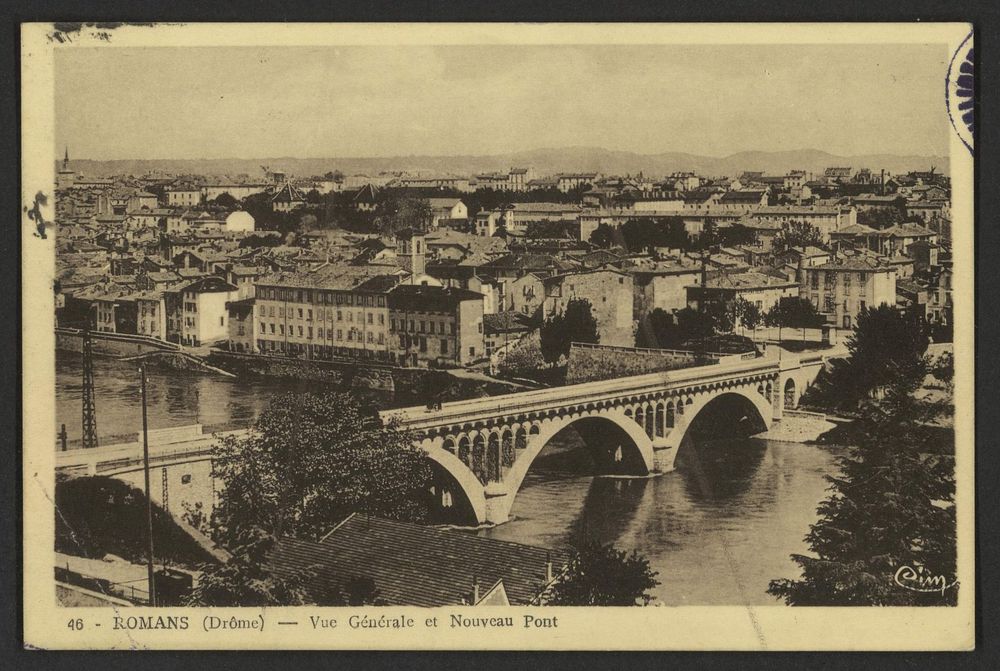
x=348 y=321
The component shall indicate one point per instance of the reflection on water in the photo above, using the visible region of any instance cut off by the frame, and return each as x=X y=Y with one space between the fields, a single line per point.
x=717 y=530
x=174 y=398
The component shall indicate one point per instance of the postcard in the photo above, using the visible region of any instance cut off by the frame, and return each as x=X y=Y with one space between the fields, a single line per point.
x=498 y=336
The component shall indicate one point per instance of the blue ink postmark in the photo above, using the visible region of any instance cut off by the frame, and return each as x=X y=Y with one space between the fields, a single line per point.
x=959 y=92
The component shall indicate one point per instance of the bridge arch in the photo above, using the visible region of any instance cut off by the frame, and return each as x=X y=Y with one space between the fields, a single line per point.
x=752 y=398
x=467 y=483
x=634 y=440
x=790 y=393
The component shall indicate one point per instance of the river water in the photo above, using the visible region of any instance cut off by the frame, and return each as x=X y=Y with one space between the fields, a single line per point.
x=717 y=529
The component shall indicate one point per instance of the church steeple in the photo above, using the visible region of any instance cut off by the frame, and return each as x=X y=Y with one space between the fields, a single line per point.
x=66 y=159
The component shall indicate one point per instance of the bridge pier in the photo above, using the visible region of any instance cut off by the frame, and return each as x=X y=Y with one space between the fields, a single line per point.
x=664 y=454
x=498 y=503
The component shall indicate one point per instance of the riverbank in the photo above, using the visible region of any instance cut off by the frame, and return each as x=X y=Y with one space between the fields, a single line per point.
x=798 y=427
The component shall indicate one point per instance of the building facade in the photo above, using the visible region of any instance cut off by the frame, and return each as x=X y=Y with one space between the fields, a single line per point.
x=841 y=288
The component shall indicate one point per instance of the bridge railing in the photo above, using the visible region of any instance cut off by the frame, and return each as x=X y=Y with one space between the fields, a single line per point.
x=121 y=337
x=457 y=411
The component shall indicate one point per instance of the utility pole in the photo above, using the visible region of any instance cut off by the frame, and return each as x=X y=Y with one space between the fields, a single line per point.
x=89 y=409
x=149 y=493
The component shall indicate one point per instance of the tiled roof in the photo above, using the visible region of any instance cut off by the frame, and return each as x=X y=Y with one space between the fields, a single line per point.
x=749 y=280
x=338 y=278
x=863 y=263
x=415 y=565
x=505 y=321
x=288 y=194
x=742 y=197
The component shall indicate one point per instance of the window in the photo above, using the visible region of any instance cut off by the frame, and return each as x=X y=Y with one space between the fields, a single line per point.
x=452 y=325
x=340 y=316
x=222 y=321
x=828 y=305
x=814 y=280
x=340 y=334
x=371 y=318
x=281 y=311
x=300 y=330
x=423 y=344
x=262 y=328
x=381 y=317
x=310 y=331
x=371 y=337
x=272 y=327
x=381 y=339
x=444 y=346
x=281 y=329
x=185 y=480
x=472 y=351
x=392 y=324
x=309 y=315
x=319 y=333
x=480 y=325
x=300 y=312
x=421 y=325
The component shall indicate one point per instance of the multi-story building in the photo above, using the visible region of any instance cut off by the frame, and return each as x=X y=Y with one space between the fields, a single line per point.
x=566 y=182
x=241 y=321
x=184 y=196
x=198 y=311
x=446 y=208
x=845 y=285
x=725 y=288
x=151 y=314
x=440 y=326
x=332 y=311
x=661 y=286
x=287 y=198
x=609 y=293
x=825 y=219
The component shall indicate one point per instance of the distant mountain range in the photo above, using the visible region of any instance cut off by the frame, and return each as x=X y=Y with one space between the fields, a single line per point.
x=543 y=161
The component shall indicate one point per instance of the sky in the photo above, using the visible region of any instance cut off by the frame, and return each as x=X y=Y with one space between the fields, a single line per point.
x=327 y=102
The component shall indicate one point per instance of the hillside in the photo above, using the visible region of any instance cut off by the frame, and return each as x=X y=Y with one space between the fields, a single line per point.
x=544 y=161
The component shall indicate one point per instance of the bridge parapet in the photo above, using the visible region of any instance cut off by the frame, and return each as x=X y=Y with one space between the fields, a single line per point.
x=559 y=398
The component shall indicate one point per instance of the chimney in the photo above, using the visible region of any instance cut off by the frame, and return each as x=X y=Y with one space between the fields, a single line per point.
x=882 y=183
x=475 y=590
x=548 y=567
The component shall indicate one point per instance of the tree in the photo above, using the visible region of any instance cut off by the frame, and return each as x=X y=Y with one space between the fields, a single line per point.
x=794 y=312
x=600 y=575
x=885 y=344
x=889 y=521
x=603 y=236
x=575 y=324
x=523 y=359
x=397 y=212
x=255 y=240
x=309 y=462
x=246 y=580
x=796 y=234
x=882 y=217
x=226 y=201
x=678 y=330
x=748 y=314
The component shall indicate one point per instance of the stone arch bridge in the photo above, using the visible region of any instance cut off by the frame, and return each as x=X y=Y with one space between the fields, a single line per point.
x=633 y=425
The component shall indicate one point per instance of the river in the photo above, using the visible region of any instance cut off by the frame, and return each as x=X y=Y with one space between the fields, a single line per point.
x=717 y=529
